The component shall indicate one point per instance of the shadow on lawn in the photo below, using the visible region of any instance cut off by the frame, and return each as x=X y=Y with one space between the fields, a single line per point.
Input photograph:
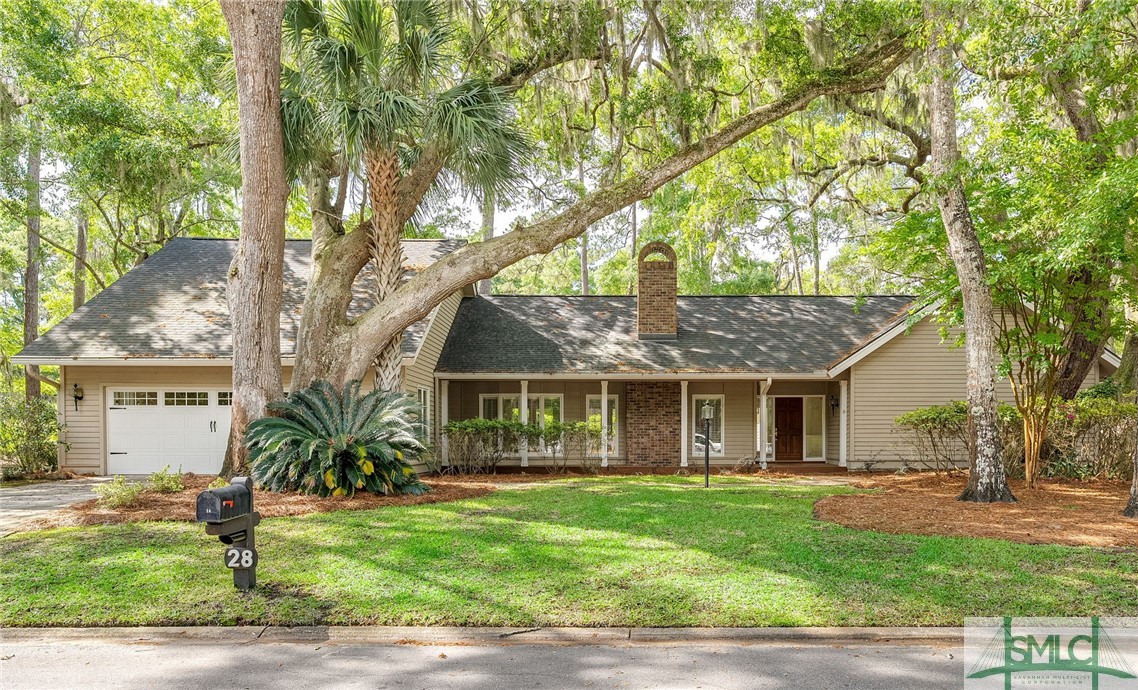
x=583 y=553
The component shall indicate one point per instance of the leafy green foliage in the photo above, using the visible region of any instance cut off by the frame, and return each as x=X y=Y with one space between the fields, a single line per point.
x=29 y=434
x=118 y=493
x=332 y=443
x=166 y=482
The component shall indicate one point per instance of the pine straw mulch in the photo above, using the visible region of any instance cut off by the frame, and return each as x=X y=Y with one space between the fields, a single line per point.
x=1064 y=512
x=182 y=506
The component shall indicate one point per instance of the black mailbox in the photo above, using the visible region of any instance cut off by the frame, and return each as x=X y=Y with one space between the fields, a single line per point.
x=228 y=502
x=228 y=514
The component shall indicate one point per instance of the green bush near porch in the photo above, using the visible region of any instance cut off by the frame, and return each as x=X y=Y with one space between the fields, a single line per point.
x=629 y=551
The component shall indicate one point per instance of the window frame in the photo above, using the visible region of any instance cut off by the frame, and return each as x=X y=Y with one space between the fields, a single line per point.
x=697 y=422
x=614 y=408
x=813 y=458
x=424 y=397
x=540 y=397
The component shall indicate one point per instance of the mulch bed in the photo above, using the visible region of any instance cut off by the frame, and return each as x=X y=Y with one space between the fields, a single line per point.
x=181 y=507
x=1057 y=512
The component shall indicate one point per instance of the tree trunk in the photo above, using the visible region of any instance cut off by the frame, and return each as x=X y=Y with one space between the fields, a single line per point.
x=32 y=265
x=486 y=287
x=387 y=256
x=256 y=277
x=986 y=481
x=1127 y=375
x=1131 y=510
x=366 y=336
x=79 y=271
x=1090 y=325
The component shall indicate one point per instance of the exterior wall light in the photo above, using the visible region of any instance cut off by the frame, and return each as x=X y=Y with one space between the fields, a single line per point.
x=76 y=394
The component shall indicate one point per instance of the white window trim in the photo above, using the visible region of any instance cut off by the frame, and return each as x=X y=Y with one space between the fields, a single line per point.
x=424 y=395
x=697 y=422
x=541 y=450
x=540 y=397
x=614 y=405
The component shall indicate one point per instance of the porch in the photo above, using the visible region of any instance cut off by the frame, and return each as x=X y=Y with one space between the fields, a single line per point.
x=655 y=421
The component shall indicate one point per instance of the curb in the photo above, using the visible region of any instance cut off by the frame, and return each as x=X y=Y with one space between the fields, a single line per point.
x=485 y=636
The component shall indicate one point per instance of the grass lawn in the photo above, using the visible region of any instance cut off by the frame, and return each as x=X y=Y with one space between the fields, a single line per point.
x=632 y=551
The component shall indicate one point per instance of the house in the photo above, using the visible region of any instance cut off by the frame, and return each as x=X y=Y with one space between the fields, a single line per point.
x=145 y=366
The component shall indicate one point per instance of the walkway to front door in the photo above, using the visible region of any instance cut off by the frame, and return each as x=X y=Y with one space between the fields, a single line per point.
x=788 y=429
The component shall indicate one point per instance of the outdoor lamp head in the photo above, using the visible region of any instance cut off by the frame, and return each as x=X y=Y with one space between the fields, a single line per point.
x=708 y=412
x=76 y=394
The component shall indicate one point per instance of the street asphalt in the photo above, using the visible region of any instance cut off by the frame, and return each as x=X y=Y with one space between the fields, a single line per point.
x=258 y=658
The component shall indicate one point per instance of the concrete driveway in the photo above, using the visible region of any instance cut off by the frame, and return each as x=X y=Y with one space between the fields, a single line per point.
x=19 y=503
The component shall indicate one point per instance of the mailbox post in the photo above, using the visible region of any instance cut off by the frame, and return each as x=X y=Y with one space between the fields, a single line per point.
x=228 y=513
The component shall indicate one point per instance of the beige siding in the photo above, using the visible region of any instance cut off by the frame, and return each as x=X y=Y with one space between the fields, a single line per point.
x=833 y=424
x=913 y=370
x=421 y=374
x=740 y=417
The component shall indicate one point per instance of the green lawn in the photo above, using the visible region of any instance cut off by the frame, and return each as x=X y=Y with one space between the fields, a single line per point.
x=624 y=551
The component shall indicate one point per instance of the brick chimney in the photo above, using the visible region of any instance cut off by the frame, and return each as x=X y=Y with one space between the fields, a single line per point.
x=656 y=292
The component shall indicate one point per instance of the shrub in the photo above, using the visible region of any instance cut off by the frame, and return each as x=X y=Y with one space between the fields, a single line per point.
x=118 y=493
x=1092 y=437
x=218 y=483
x=29 y=434
x=333 y=443
x=166 y=482
x=937 y=435
x=477 y=446
x=564 y=440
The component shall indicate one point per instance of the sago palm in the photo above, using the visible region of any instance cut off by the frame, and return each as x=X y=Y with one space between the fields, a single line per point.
x=371 y=83
x=333 y=443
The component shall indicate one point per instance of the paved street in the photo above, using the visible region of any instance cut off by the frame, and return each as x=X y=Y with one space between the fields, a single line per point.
x=19 y=503
x=255 y=663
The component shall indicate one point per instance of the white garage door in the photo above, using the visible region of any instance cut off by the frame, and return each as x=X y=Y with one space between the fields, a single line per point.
x=148 y=429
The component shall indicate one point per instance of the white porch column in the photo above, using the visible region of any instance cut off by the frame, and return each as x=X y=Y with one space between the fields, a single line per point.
x=523 y=403
x=444 y=413
x=604 y=423
x=684 y=421
x=844 y=423
x=764 y=386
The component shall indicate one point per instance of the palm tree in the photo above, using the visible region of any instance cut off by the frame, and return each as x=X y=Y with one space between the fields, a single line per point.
x=371 y=85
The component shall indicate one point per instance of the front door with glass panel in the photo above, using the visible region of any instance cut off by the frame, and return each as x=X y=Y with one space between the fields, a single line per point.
x=799 y=428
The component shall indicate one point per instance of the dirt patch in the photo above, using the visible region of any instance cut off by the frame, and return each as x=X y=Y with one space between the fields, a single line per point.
x=181 y=507
x=1057 y=512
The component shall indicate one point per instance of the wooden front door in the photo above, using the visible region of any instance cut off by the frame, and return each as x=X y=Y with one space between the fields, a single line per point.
x=788 y=429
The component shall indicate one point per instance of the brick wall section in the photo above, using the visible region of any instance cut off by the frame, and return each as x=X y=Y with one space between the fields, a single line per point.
x=653 y=423
x=656 y=293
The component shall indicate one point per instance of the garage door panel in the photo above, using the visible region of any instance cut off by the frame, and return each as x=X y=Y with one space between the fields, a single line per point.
x=148 y=429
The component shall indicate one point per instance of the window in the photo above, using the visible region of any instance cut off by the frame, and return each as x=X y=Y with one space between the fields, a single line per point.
x=593 y=417
x=500 y=407
x=813 y=426
x=225 y=398
x=541 y=408
x=136 y=398
x=424 y=396
x=699 y=441
x=187 y=399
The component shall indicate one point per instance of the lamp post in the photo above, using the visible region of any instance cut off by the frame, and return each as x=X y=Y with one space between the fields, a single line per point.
x=707 y=412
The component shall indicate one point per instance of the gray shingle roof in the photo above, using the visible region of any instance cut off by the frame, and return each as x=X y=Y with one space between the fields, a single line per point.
x=597 y=334
x=173 y=305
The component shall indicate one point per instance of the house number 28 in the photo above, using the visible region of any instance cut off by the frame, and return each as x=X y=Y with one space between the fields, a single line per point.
x=240 y=558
